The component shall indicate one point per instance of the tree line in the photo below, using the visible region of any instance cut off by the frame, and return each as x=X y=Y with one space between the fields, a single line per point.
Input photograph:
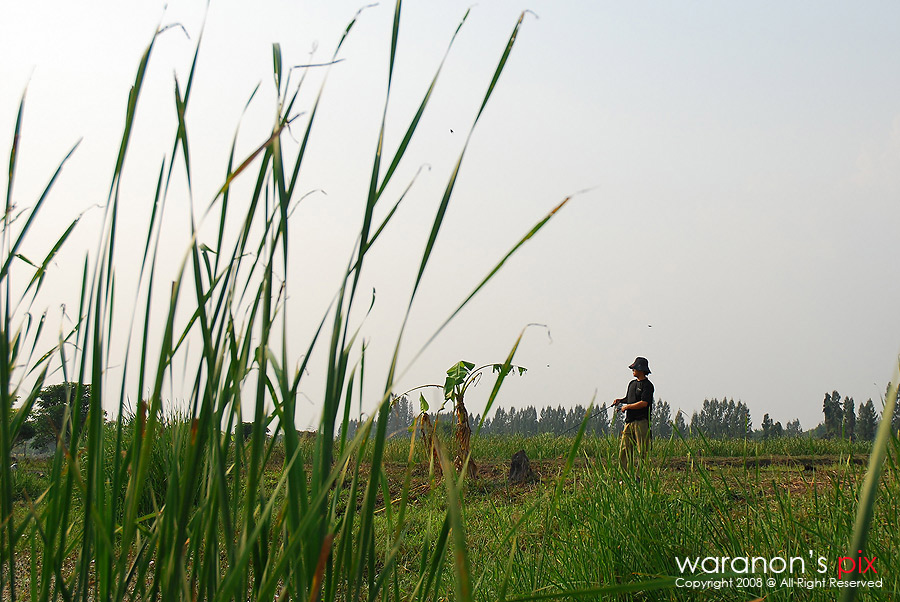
x=716 y=419
x=725 y=418
x=528 y=421
x=844 y=419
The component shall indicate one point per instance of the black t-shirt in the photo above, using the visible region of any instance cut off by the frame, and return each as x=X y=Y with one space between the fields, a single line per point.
x=639 y=390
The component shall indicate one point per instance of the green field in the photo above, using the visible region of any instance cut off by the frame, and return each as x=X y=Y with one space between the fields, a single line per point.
x=595 y=529
x=588 y=528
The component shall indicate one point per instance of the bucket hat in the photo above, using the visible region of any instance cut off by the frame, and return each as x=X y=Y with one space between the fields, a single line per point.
x=640 y=363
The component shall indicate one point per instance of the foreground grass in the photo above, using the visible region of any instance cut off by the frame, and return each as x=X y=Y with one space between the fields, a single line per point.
x=144 y=509
x=606 y=529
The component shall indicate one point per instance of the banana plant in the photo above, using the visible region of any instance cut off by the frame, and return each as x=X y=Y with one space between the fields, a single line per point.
x=460 y=376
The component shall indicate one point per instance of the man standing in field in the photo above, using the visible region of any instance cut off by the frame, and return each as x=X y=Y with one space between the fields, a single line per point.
x=636 y=405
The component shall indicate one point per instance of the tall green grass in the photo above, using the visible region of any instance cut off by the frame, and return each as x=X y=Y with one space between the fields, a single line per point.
x=151 y=508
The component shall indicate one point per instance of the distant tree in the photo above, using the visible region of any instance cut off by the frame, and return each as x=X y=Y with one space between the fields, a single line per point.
x=793 y=428
x=661 y=418
x=895 y=418
x=558 y=421
x=350 y=430
x=723 y=418
x=699 y=422
x=499 y=423
x=546 y=420
x=52 y=403
x=26 y=432
x=849 y=411
x=834 y=414
x=575 y=417
x=867 y=421
x=572 y=420
x=679 y=424
x=618 y=423
x=818 y=431
x=767 y=427
x=246 y=431
x=401 y=417
x=516 y=421
x=777 y=430
x=512 y=420
x=745 y=422
x=567 y=420
x=601 y=421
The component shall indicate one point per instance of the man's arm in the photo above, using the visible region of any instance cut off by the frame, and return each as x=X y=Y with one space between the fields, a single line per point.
x=635 y=406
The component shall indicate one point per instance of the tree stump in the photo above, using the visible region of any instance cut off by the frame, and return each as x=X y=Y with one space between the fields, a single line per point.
x=520 y=469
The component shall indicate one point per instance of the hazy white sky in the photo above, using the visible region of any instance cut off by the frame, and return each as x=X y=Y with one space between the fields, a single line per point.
x=743 y=160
